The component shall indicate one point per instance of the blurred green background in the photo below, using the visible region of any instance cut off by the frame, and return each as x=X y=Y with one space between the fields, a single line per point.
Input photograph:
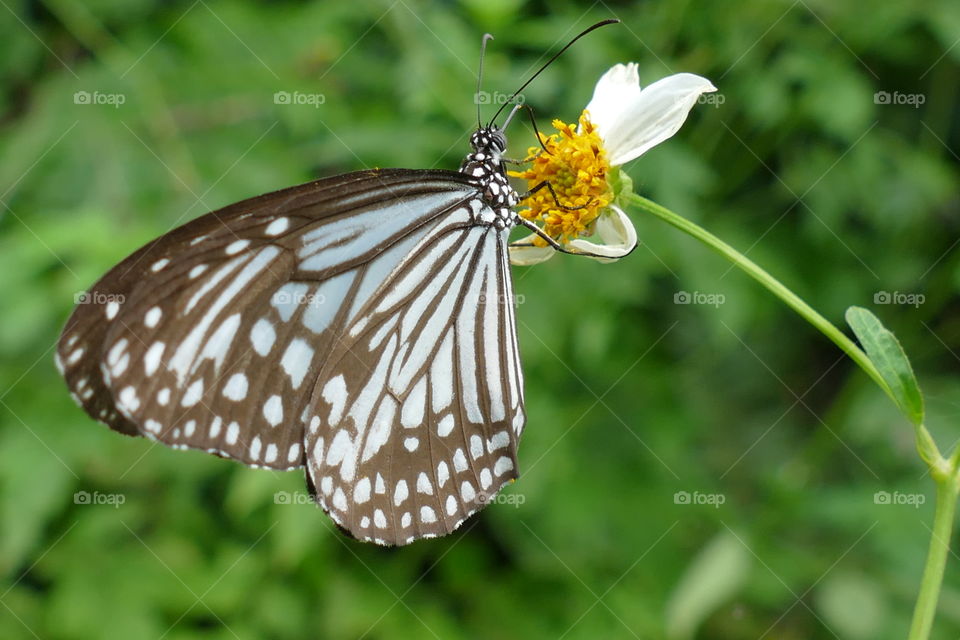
x=848 y=195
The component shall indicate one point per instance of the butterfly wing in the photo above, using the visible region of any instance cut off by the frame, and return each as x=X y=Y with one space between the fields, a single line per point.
x=414 y=422
x=212 y=336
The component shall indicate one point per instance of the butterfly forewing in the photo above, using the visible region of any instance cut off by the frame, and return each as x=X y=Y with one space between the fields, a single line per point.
x=212 y=336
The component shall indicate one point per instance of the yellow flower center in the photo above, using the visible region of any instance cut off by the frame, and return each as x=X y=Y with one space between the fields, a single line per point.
x=577 y=168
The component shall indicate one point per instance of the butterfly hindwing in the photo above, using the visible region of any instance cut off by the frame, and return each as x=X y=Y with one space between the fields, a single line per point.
x=415 y=418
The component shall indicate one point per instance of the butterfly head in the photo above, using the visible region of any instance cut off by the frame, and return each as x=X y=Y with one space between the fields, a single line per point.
x=489 y=140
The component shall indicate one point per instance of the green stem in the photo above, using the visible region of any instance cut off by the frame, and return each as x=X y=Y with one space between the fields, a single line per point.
x=946 y=473
x=768 y=281
x=926 y=607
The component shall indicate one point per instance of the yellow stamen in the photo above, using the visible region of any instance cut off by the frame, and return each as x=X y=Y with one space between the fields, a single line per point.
x=577 y=169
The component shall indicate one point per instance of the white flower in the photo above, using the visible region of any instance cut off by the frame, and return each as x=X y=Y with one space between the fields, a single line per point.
x=630 y=121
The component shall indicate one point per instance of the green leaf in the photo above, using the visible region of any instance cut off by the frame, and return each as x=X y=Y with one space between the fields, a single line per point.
x=853 y=605
x=713 y=577
x=887 y=355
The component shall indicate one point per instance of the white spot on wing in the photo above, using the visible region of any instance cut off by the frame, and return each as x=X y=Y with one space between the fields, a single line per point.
x=152 y=317
x=273 y=410
x=412 y=413
x=236 y=247
x=296 y=361
x=467 y=492
x=219 y=343
x=445 y=426
x=476 y=446
x=271 y=453
x=423 y=484
x=236 y=387
x=335 y=394
x=277 y=227
x=380 y=431
x=233 y=432
x=193 y=394
x=361 y=492
x=459 y=461
x=262 y=336
x=502 y=465
x=498 y=441
x=400 y=493
x=151 y=359
x=485 y=479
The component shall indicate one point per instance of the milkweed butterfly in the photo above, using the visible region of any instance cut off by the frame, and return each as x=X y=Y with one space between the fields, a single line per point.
x=360 y=326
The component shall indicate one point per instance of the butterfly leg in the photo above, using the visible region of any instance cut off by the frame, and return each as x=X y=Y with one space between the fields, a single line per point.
x=549 y=187
x=550 y=241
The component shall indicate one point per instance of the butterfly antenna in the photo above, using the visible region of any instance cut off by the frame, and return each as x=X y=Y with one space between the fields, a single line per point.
x=476 y=96
x=533 y=121
x=602 y=23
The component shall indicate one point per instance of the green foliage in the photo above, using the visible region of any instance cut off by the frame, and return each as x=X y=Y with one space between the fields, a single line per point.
x=887 y=355
x=631 y=397
x=715 y=575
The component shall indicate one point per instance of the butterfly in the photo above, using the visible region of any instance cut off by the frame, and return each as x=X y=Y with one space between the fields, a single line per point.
x=360 y=326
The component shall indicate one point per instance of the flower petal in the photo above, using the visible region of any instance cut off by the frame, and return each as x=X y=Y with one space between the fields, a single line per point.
x=526 y=256
x=653 y=115
x=617 y=232
x=616 y=90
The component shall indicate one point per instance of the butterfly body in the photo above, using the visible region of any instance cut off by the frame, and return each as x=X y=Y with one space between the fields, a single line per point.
x=486 y=164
